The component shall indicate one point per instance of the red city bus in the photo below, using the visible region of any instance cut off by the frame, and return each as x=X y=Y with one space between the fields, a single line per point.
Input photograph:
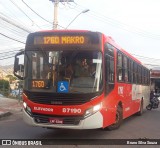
x=79 y=79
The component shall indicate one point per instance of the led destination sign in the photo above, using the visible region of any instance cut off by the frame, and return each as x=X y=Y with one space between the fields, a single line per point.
x=56 y=40
x=38 y=84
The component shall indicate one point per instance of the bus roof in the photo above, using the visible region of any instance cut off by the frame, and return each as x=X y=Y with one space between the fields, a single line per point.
x=65 y=31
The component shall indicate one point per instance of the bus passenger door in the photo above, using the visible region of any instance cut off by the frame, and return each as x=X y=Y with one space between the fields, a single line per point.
x=110 y=96
x=109 y=68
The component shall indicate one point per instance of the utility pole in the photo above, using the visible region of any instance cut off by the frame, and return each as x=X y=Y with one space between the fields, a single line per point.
x=56 y=2
x=55 y=22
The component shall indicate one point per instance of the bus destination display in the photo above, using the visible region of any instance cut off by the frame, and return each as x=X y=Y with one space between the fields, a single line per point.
x=38 y=84
x=60 y=40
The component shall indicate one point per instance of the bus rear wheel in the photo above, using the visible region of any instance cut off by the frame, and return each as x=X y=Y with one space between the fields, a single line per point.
x=119 y=119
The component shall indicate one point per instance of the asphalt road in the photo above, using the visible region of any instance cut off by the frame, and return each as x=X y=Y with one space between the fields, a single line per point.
x=134 y=127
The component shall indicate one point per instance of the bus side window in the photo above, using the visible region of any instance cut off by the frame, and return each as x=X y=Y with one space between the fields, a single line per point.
x=119 y=67
x=131 y=72
x=125 y=68
x=109 y=67
x=134 y=73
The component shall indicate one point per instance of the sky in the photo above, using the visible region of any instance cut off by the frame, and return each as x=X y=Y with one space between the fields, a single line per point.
x=133 y=24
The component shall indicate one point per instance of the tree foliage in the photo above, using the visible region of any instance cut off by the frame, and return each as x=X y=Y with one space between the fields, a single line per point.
x=11 y=78
x=4 y=87
x=4 y=84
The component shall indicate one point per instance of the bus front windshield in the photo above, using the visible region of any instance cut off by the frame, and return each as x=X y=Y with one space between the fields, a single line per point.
x=68 y=71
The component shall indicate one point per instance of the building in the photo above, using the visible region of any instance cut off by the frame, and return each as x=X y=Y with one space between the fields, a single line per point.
x=155 y=80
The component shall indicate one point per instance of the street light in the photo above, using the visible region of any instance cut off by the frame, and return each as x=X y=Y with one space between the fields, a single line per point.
x=84 y=11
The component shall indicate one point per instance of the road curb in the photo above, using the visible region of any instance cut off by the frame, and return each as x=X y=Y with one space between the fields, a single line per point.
x=5 y=114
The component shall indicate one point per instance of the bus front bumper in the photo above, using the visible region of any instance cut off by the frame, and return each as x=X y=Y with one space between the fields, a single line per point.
x=92 y=122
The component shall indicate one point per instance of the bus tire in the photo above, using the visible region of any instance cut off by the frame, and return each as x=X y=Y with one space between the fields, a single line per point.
x=141 y=109
x=119 y=119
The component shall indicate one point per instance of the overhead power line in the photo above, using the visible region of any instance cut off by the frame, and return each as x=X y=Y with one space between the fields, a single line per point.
x=6 y=58
x=152 y=64
x=23 y=12
x=36 y=12
x=12 y=31
x=122 y=26
x=11 y=38
x=14 y=24
x=39 y=15
x=8 y=51
x=145 y=57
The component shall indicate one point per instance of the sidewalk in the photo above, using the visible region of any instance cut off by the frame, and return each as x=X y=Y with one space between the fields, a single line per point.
x=8 y=106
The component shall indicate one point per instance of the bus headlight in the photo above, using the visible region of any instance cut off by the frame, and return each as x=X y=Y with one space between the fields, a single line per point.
x=27 y=108
x=93 y=110
x=97 y=107
x=24 y=105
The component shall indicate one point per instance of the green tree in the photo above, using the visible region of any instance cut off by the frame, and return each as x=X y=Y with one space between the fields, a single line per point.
x=4 y=87
x=11 y=78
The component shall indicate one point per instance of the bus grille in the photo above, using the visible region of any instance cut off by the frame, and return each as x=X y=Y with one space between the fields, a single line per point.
x=66 y=120
x=58 y=99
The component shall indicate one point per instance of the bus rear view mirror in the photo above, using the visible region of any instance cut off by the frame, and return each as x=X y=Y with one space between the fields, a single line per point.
x=19 y=65
x=16 y=67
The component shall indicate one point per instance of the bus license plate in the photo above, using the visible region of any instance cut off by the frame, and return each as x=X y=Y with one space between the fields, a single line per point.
x=56 y=121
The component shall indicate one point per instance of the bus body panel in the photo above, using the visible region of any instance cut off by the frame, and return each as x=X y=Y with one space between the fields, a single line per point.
x=57 y=110
x=92 y=122
x=68 y=110
x=108 y=112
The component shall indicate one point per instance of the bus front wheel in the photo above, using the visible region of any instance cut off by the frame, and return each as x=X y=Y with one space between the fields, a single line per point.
x=119 y=119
